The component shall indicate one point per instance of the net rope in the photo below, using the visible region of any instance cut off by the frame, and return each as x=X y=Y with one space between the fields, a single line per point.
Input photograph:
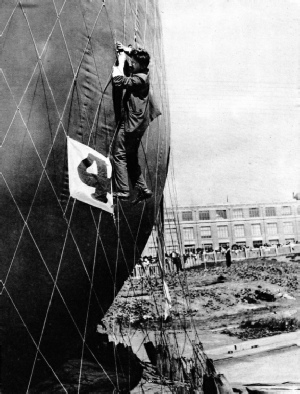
x=183 y=284
x=40 y=180
x=60 y=125
x=55 y=287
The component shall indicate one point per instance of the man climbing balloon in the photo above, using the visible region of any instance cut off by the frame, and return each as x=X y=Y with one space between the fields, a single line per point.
x=137 y=113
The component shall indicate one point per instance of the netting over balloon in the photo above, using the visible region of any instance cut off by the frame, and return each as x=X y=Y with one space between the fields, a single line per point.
x=63 y=261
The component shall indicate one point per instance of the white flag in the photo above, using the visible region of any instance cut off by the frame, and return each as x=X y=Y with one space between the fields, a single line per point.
x=89 y=176
x=168 y=303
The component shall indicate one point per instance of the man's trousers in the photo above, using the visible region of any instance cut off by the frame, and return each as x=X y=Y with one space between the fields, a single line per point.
x=125 y=161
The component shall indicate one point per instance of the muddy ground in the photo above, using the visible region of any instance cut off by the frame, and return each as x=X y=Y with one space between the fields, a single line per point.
x=251 y=299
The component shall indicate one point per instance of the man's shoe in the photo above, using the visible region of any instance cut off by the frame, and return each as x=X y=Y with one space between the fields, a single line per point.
x=147 y=193
x=142 y=195
x=121 y=195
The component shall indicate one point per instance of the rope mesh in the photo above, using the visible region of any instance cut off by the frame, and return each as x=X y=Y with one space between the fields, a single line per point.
x=39 y=73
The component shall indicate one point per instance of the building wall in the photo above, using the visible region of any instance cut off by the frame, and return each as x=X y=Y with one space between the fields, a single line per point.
x=216 y=225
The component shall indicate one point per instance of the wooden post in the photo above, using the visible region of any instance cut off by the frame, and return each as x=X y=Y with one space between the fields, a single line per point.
x=246 y=253
x=261 y=251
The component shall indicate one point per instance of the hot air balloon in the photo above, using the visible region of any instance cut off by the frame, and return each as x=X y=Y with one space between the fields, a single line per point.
x=63 y=261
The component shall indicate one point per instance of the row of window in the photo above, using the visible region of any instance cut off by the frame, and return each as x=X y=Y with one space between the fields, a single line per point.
x=256 y=244
x=239 y=231
x=238 y=213
x=208 y=246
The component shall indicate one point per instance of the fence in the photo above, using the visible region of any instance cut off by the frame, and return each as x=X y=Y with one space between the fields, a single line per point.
x=151 y=270
x=271 y=251
x=210 y=258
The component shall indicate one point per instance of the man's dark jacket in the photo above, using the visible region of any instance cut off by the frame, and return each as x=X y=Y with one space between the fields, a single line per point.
x=138 y=106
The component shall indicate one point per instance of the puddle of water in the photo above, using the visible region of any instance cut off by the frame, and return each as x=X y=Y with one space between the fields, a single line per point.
x=182 y=339
x=277 y=366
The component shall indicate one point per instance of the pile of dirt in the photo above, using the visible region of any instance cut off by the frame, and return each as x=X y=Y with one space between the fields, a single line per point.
x=134 y=313
x=254 y=296
x=251 y=329
x=219 y=295
x=284 y=274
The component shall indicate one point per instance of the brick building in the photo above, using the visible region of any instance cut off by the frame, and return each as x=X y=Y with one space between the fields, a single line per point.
x=210 y=226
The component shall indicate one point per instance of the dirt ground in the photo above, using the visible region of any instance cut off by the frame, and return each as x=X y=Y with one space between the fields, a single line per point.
x=235 y=300
x=252 y=299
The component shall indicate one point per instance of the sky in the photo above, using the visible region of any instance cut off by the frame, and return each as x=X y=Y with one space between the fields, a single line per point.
x=233 y=79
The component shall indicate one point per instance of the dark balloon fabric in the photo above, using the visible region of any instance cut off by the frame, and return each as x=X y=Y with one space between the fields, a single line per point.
x=62 y=261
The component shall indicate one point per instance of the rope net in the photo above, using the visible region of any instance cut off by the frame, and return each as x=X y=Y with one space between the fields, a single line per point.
x=178 y=362
x=62 y=261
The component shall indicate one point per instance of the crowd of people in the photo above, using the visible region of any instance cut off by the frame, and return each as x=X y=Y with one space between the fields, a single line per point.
x=147 y=265
x=176 y=262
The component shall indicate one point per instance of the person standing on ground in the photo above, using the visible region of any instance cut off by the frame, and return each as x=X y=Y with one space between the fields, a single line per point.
x=133 y=124
x=176 y=261
x=228 y=256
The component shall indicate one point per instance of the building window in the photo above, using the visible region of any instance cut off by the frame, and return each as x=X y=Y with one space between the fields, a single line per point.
x=270 y=211
x=256 y=230
x=287 y=240
x=172 y=248
x=286 y=210
x=223 y=231
x=221 y=214
x=237 y=213
x=257 y=244
x=204 y=215
x=189 y=248
x=205 y=232
x=254 y=212
x=272 y=228
x=223 y=245
x=239 y=230
x=188 y=234
x=288 y=228
x=187 y=215
x=153 y=251
x=171 y=236
x=169 y=217
x=208 y=247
